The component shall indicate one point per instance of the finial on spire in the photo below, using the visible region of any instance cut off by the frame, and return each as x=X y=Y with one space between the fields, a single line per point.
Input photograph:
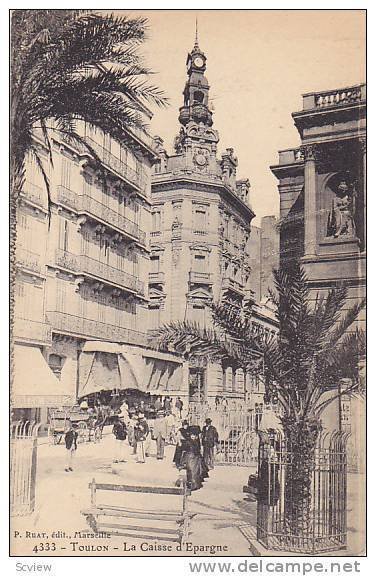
x=196 y=39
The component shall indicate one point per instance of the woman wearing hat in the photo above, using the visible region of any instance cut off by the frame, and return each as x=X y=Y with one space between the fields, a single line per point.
x=142 y=438
x=193 y=461
x=182 y=438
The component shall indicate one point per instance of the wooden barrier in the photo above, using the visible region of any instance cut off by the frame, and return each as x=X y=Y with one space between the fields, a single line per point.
x=175 y=522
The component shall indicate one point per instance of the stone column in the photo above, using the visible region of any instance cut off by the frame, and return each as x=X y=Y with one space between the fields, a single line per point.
x=310 y=209
x=363 y=144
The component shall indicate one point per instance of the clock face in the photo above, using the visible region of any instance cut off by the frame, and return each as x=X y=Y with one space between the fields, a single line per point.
x=200 y=159
x=198 y=61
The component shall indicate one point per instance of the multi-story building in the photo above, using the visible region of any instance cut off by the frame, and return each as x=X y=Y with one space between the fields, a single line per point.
x=322 y=187
x=264 y=248
x=201 y=220
x=83 y=262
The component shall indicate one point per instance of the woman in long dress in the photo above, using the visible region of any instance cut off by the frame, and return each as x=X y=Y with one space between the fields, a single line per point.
x=182 y=438
x=192 y=460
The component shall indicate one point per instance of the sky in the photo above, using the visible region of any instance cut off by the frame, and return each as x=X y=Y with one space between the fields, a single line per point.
x=259 y=63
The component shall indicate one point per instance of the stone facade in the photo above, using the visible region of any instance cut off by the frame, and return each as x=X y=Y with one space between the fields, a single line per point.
x=264 y=248
x=322 y=187
x=200 y=236
x=83 y=268
x=322 y=191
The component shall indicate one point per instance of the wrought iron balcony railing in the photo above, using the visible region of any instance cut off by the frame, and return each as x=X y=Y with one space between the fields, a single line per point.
x=86 y=265
x=29 y=260
x=34 y=193
x=85 y=204
x=117 y=165
x=32 y=331
x=89 y=328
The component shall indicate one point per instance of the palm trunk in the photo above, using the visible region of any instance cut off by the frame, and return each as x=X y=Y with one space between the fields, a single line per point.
x=301 y=437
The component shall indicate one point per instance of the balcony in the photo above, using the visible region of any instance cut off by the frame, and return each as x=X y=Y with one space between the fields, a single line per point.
x=200 y=232
x=118 y=166
x=333 y=98
x=156 y=277
x=88 y=266
x=89 y=328
x=87 y=205
x=234 y=286
x=32 y=331
x=29 y=261
x=200 y=278
x=34 y=194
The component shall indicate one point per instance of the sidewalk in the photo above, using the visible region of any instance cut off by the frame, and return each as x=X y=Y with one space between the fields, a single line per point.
x=219 y=506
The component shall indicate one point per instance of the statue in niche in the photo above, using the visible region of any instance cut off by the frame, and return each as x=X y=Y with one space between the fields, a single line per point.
x=341 y=216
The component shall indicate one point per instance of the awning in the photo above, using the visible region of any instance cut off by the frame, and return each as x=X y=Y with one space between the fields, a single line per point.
x=98 y=371
x=127 y=368
x=34 y=383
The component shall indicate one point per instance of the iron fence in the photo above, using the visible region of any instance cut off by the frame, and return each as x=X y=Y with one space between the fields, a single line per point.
x=23 y=467
x=301 y=506
x=237 y=426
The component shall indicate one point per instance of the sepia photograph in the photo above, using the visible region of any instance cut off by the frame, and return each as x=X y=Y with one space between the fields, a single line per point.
x=187 y=283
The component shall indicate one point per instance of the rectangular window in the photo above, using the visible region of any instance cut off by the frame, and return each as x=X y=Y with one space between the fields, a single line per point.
x=154 y=317
x=156 y=221
x=64 y=235
x=65 y=172
x=154 y=264
x=200 y=264
x=200 y=220
x=198 y=314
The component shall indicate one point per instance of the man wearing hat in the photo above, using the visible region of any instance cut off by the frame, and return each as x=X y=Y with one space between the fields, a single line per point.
x=160 y=432
x=119 y=430
x=142 y=438
x=70 y=438
x=209 y=438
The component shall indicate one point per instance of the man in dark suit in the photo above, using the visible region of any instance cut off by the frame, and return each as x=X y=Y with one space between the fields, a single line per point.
x=71 y=446
x=209 y=438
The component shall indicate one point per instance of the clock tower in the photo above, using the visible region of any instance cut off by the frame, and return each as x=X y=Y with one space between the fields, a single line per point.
x=197 y=139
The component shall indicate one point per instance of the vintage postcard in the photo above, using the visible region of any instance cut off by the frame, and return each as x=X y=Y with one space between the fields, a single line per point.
x=188 y=256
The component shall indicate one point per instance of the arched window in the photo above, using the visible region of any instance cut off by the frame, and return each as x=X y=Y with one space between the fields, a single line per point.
x=198 y=97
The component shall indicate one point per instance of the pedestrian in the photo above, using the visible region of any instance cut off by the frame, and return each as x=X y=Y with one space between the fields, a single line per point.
x=217 y=402
x=71 y=446
x=179 y=405
x=224 y=404
x=124 y=412
x=209 y=439
x=141 y=436
x=157 y=404
x=131 y=429
x=192 y=460
x=167 y=404
x=119 y=430
x=170 y=419
x=160 y=433
x=182 y=437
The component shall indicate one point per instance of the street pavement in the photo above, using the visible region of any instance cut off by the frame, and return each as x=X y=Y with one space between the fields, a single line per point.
x=218 y=508
x=223 y=516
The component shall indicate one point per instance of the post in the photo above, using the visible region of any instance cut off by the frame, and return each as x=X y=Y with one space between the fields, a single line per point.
x=310 y=211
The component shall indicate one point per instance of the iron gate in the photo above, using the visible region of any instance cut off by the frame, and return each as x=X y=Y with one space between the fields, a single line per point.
x=23 y=467
x=237 y=431
x=315 y=524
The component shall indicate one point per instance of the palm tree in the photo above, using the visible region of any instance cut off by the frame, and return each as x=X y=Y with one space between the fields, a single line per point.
x=304 y=366
x=67 y=66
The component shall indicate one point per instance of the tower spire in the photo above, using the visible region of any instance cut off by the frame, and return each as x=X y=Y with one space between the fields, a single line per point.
x=196 y=37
